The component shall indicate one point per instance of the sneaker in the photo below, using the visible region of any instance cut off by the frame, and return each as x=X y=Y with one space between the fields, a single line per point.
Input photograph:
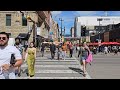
x=84 y=75
x=27 y=74
x=31 y=75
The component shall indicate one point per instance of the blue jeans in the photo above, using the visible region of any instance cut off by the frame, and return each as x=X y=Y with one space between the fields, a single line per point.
x=8 y=76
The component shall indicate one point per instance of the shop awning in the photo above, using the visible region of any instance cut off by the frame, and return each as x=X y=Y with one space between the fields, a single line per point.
x=24 y=36
x=110 y=43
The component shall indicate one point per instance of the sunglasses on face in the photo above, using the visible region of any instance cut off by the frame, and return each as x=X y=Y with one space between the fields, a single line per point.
x=2 y=38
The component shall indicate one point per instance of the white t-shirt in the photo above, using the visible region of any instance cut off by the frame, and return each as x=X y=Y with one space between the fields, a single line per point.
x=106 y=49
x=5 y=54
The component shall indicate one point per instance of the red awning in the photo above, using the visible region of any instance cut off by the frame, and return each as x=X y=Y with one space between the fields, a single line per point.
x=110 y=43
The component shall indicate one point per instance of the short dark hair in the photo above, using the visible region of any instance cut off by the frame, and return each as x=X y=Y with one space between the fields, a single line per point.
x=5 y=34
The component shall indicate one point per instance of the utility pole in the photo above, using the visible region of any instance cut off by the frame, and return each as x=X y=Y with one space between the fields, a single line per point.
x=61 y=27
x=25 y=14
x=99 y=40
x=34 y=30
x=64 y=31
x=58 y=35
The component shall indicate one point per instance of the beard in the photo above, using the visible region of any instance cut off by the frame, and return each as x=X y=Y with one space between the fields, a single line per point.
x=4 y=43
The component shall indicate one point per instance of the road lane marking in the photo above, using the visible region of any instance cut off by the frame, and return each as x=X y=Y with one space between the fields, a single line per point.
x=50 y=78
x=52 y=66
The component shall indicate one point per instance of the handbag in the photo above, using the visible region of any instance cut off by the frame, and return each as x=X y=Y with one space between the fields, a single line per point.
x=89 y=58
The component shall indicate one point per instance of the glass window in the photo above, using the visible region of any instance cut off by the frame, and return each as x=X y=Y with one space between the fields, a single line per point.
x=24 y=21
x=8 y=19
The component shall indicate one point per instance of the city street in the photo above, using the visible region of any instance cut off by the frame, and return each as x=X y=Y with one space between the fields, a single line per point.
x=45 y=68
x=34 y=31
x=103 y=67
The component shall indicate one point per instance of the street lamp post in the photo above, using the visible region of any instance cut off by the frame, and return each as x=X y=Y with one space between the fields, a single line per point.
x=99 y=19
x=64 y=31
x=99 y=40
x=61 y=27
x=34 y=30
x=33 y=27
x=34 y=34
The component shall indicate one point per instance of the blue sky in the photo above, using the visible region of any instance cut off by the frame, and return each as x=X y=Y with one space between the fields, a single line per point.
x=69 y=16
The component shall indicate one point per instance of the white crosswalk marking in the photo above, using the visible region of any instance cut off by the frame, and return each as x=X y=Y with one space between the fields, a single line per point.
x=46 y=68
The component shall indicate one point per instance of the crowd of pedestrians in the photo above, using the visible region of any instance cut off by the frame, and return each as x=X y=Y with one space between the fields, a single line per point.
x=27 y=54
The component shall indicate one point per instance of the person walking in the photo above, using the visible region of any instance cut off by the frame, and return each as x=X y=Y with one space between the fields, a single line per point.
x=42 y=49
x=52 y=50
x=84 y=54
x=31 y=56
x=8 y=64
x=58 y=51
x=105 y=50
x=20 y=47
x=71 y=49
x=64 y=50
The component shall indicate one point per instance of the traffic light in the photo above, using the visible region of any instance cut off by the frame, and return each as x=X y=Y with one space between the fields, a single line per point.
x=83 y=31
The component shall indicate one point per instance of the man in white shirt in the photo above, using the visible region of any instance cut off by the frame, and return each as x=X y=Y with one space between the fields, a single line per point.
x=7 y=71
x=106 y=50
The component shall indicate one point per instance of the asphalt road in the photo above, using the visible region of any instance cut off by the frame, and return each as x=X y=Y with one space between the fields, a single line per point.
x=45 y=68
x=105 y=67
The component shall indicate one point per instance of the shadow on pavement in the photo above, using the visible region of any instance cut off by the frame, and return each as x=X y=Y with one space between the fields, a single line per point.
x=77 y=70
x=25 y=71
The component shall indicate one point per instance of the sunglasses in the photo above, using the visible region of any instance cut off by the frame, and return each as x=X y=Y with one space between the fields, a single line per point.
x=2 y=38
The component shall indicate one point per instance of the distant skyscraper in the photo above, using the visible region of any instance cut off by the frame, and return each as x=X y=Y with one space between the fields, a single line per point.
x=72 y=32
x=77 y=27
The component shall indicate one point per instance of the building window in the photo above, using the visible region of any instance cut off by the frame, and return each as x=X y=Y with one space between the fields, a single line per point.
x=8 y=19
x=24 y=21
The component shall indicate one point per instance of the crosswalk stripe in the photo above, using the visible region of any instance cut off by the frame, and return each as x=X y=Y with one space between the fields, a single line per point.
x=53 y=66
x=72 y=71
x=55 y=60
x=55 y=71
x=50 y=78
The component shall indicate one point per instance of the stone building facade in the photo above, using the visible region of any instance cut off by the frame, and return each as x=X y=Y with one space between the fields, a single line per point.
x=16 y=22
